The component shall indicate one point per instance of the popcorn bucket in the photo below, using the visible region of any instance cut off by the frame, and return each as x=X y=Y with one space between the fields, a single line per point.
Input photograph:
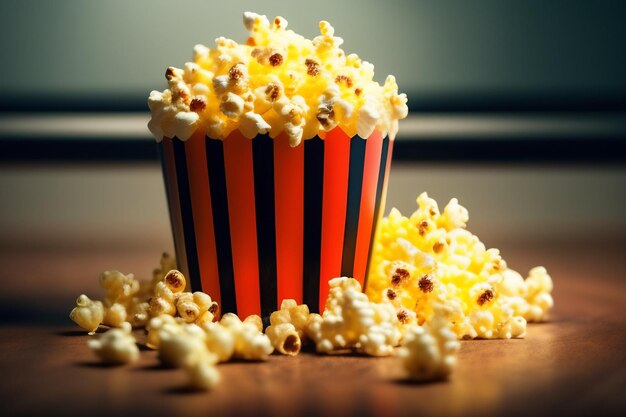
x=257 y=221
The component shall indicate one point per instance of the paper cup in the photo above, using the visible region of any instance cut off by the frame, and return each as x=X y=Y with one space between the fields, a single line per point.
x=257 y=221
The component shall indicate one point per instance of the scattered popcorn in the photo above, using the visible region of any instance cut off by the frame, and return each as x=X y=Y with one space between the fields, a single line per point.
x=180 y=346
x=284 y=338
x=538 y=289
x=220 y=341
x=277 y=81
x=429 y=352
x=250 y=342
x=116 y=347
x=88 y=314
x=203 y=375
x=430 y=259
x=164 y=322
x=292 y=313
x=351 y=321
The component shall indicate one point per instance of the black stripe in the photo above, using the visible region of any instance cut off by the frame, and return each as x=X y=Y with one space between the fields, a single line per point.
x=379 y=191
x=161 y=150
x=313 y=192
x=263 y=162
x=221 y=223
x=184 y=194
x=353 y=204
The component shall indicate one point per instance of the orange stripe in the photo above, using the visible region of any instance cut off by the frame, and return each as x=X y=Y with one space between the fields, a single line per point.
x=241 y=210
x=195 y=151
x=174 y=200
x=289 y=203
x=368 y=203
x=336 y=167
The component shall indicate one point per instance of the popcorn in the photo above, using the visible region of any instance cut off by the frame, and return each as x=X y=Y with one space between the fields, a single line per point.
x=429 y=352
x=284 y=338
x=164 y=322
x=351 y=321
x=219 y=340
x=115 y=315
x=116 y=347
x=316 y=88
x=429 y=258
x=88 y=314
x=180 y=346
x=538 y=289
x=250 y=342
x=292 y=313
x=203 y=375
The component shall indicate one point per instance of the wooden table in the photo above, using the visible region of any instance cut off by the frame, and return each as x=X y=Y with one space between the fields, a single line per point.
x=573 y=365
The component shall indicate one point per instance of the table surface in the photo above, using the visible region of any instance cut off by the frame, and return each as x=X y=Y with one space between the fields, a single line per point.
x=574 y=364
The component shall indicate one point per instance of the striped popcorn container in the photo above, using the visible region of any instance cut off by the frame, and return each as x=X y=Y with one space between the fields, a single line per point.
x=257 y=221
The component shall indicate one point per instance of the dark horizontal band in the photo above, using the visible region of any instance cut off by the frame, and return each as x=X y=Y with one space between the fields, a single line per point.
x=533 y=150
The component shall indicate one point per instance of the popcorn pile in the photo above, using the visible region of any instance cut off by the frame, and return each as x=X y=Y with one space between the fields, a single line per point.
x=431 y=283
x=430 y=259
x=278 y=81
x=195 y=343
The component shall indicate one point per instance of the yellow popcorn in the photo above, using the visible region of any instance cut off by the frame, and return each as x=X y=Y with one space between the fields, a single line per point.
x=115 y=315
x=292 y=313
x=255 y=320
x=116 y=347
x=351 y=321
x=88 y=314
x=538 y=289
x=119 y=288
x=175 y=281
x=181 y=345
x=154 y=327
x=429 y=352
x=284 y=338
x=160 y=306
x=277 y=81
x=429 y=258
x=139 y=314
x=250 y=342
x=203 y=375
x=219 y=340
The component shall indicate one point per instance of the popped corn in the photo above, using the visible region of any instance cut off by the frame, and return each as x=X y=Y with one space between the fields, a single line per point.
x=88 y=313
x=203 y=374
x=351 y=321
x=538 y=288
x=219 y=340
x=250 y=342
x=163 y=322
x=284 y=338
x=180 y=345
x=116 y=347
x=277 y=81
x=429 y=352
x=430 y=258
x=292 y=313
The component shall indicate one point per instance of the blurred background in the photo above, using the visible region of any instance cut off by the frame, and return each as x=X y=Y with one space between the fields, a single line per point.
x=517 y=109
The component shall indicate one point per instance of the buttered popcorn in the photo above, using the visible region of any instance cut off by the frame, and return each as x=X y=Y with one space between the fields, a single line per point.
x=277 y=81
x=429 y=352
x=287 y=327
x=88 y=313
x=115 y=347
x=430 y=258
x=130 y=303
x=250 y=342
x=351 y=321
